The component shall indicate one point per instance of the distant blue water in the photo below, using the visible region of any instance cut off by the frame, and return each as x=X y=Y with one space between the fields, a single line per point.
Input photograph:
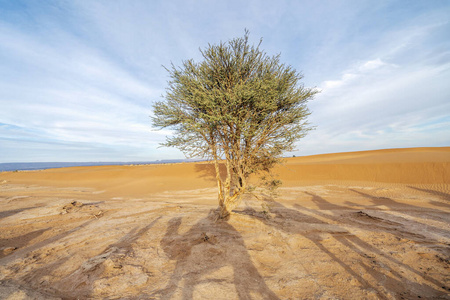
x=52 y=165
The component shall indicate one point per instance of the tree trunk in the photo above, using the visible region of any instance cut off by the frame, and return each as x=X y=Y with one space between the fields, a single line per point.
x=230 y=203
x=220 y=194
x=224 y=212
x=230 y=191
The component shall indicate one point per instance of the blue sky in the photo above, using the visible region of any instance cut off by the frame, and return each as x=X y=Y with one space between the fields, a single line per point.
x=78 y=78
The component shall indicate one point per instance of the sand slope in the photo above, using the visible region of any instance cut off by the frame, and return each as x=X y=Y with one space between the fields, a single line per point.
x=361 y=225
x=415 y=165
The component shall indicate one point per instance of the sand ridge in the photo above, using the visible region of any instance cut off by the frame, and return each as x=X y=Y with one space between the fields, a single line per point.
x=363 y=225
x=413 y=165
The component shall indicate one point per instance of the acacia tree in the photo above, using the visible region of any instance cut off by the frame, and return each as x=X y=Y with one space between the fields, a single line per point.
x=239 y=106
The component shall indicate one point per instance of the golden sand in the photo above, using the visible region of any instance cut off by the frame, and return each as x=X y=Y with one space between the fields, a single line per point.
x=357 y=225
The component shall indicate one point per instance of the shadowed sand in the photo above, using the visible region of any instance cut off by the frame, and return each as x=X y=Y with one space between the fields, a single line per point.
x=359 y=225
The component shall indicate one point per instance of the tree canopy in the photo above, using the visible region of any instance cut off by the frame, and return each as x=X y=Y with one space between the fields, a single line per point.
x=238 y=105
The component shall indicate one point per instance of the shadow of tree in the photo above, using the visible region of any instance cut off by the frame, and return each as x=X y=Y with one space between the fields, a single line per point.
x=205 y=248
x=281 y=215
x=8 y=213
x=406 y=209
x=368 y=255
x=118 y=253
x=33 y=278
x=20 y=241
x=374 y=224
x=23 y=251
x=81 y=280
x=208 y=171
x=443 y=196
x=440 y=204
x=360 y=218
x=127 y=240
x=392 y=204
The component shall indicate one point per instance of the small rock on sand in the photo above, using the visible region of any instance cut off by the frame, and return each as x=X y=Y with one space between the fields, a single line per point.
x=8 y=250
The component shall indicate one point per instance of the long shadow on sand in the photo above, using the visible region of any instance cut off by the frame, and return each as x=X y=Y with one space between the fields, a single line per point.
x=392 y=204
x=208 y=171
x=19 y=242
x=93 y=268
x=210 y=247
x=21 y=252
x=32 y=278
x=405 y=209
x=8 y=213
x=79 y=283
x=386 y=225
x=442 y=195
x=367 y=255
x=364 y=221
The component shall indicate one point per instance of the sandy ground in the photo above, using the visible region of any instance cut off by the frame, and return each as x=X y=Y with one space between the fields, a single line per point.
x=363 y=225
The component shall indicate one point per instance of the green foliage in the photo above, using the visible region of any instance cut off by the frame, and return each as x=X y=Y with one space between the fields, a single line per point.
x=266 y=208
x=238 y=104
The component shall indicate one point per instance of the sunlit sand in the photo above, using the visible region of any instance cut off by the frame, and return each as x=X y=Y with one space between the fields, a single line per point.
x=358 y=225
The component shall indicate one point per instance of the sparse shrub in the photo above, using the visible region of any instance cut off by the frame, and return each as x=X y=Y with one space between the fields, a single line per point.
x=238 y=105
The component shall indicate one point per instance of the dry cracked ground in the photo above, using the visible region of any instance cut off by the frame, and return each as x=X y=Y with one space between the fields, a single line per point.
x=336 y=240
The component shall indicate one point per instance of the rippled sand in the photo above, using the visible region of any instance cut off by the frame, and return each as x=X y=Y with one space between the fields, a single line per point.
x=361 y=225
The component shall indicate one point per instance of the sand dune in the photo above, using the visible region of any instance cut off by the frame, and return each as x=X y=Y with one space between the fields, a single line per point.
x=416 y=165
x=360 y=225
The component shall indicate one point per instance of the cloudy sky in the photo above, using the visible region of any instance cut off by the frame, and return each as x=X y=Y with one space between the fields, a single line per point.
x=78 y=78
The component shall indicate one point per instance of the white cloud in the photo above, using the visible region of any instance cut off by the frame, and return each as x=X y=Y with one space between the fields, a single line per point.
x=82 y=77
x=331 y=84
x=398 y=99
x=389 y=109
x=373 y=64
x=73 y=93
x=365 y=69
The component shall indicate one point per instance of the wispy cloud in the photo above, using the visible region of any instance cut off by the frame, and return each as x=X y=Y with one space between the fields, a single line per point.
x=391 y=98
x=78 y=78
x=71 y=93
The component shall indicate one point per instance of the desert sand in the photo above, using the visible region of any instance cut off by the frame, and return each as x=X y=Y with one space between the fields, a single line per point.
x=358 y=225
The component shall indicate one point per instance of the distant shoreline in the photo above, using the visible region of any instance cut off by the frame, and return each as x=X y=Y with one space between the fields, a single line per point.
x=36 y=166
